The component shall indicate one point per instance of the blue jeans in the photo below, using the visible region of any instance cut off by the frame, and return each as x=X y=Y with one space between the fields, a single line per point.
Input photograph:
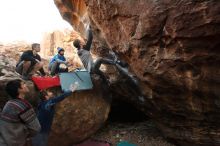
x=41 y=139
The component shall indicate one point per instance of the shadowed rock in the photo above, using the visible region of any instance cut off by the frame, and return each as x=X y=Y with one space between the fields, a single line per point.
x=172 y=46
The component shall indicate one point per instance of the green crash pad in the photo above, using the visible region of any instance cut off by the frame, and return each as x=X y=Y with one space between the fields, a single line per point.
x=80 y=76
x=125 y=143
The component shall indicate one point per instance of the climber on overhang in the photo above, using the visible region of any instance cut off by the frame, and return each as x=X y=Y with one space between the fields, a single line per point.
x=30 y=62
x=133 y=80
x=93 y=67
x=58 y=63
x=85 y=56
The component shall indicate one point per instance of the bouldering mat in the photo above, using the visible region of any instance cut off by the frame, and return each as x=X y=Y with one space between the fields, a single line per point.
x=93 y=143
x=82 y=77
x=125 y=143
x=45 y=82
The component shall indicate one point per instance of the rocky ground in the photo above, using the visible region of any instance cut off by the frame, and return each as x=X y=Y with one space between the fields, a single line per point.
x=140 y=134
x=126 y=123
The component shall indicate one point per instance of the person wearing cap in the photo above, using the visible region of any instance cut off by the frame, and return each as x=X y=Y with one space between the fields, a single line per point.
x=58 y=63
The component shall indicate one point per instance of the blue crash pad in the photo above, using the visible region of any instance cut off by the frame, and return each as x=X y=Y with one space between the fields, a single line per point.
x=125 y=143
x=82 y=77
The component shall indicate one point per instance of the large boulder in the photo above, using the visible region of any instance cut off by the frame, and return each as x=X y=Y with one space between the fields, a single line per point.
x=80 y=115
x=172 y=46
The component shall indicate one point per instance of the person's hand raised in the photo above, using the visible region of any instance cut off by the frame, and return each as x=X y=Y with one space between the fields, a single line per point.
x=74 y=86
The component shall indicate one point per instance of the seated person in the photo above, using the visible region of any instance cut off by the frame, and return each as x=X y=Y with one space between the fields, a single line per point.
x=46 y=111
x=58 y=63
x=30 y=62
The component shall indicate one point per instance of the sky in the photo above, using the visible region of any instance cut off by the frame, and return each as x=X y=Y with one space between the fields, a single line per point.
x=27 y=20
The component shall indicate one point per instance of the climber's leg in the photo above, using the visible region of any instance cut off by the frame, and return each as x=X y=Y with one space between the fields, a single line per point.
x=133 y=80
x=98 y=63
x=101 y=61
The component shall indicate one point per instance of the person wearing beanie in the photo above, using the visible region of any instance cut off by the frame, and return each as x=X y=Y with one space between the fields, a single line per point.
x=58 y=63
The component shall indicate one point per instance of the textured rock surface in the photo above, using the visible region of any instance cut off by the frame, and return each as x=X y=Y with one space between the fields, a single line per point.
x=52 y=40
x=74 y=11
x=64 y=38
x=173 y=48
x=79 y=116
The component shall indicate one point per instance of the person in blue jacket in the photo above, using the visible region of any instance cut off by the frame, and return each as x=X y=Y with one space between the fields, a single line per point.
x=55 y=66
x=45 y=113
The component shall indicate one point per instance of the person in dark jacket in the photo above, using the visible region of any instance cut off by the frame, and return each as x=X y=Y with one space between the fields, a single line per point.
x=18 y=121
x=55 y=65
x=45 y=114
x=30 y=62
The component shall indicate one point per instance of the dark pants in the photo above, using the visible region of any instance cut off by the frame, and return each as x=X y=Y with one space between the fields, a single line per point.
x=132 y=79
x=97 y=65
x=41 y=139
x=55 y=68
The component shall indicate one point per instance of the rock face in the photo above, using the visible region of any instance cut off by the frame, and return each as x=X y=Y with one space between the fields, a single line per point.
x=172 y=46
x=52 y=40
x=75 y=12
